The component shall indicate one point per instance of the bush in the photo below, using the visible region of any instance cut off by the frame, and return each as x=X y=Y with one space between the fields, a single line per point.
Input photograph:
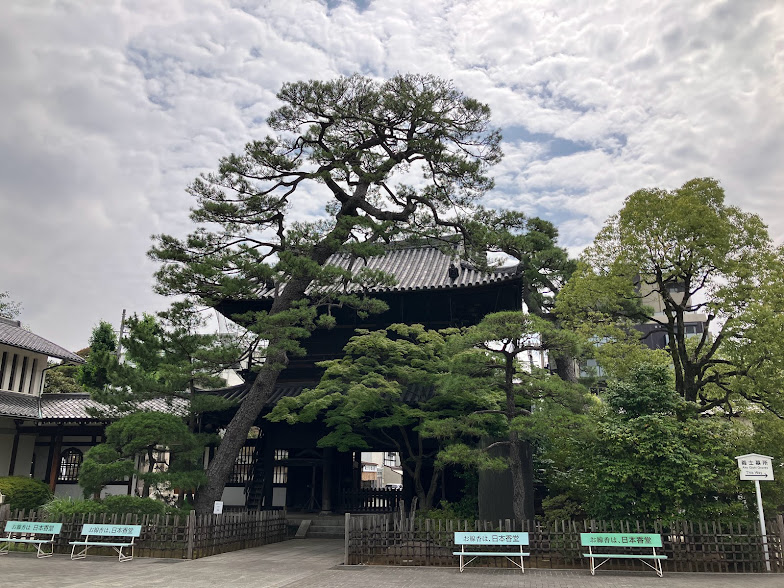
x=24 y=493
x=110 y=505
x=134 y=505
x=68 y=506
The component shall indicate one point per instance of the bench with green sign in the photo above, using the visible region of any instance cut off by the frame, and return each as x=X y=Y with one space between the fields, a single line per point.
x=494 y=539
x=609 y=546
x=31 y=533
x=107 y=536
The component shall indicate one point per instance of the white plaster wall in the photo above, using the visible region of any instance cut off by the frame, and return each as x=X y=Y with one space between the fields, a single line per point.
x=69 y=491
x=233 y=496
x=41 y=457
x=6 y=444
x=24 y=455
x=114 y=490
x=278 y=497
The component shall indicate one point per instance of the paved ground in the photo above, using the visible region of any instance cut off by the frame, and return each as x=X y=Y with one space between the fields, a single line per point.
x=316 y=563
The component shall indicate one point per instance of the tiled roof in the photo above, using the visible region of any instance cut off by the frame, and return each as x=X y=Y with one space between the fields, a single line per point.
x=58 y=407
x=417 y=268
x=15 y=336
x=78 y=407
x=67 y=406
x=412 y=394
x=16 y=404
x=73 y=407
x=282 y=390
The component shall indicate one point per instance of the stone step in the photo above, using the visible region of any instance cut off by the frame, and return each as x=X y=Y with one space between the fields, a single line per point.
x=324 y=534
x=320 y=523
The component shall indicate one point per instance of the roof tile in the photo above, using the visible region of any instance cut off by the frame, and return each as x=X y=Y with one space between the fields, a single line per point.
x=418 y=268
x=15 y=336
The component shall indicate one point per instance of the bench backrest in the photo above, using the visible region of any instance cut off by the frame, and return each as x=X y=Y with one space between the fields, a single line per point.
x=498 y=538
x=112 y=530
x=620 y=540
x=32 y=527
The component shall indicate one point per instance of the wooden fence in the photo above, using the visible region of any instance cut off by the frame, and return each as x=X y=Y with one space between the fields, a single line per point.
x=689 y=546
x=183 y=537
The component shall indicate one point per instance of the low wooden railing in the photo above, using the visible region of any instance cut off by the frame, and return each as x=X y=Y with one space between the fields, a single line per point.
x=370 y=501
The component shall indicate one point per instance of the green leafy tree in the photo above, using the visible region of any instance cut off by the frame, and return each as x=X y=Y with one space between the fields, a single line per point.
x=404 y=156
x=93 y=374
x=170 y=357
x=63 y=378
x=9 y=308
x=384 y=391
x=492 y=364
x=544 y=267
x=652 y=458
x=171 y=454
x=698 y=255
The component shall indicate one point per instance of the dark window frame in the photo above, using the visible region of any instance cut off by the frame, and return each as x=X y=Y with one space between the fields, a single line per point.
x=70 y=463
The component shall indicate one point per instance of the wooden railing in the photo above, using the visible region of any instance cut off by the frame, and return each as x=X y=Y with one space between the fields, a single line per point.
x=370 y=501
x=183 y=537
x=714 y=546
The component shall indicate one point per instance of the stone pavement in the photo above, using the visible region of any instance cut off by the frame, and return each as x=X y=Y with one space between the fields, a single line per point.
x=316 y=563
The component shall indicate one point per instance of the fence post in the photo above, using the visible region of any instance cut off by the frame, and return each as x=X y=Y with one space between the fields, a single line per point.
x=190 y=529
x=345 y=546
x=780 y=525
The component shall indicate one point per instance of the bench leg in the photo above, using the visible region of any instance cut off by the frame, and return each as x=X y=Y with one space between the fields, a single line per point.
x=658 y=564
x=41 y=552
x=81 y=555
x=124 y=557
x=4 y=547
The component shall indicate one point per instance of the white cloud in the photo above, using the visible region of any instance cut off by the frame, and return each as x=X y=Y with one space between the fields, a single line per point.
x=112 y=108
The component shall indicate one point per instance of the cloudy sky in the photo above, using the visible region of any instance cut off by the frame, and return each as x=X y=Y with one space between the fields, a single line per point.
x=110 y=108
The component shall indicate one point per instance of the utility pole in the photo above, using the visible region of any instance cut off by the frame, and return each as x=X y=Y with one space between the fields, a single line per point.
x=120 y=336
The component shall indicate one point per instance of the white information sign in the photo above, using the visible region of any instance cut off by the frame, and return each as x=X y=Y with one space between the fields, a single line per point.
x=755 y=467
x=217 y=508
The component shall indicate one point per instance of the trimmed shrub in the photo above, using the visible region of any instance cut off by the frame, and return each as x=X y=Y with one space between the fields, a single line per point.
x=68 y=506
x=120 y=504
x=134 y=505
x=24 y=493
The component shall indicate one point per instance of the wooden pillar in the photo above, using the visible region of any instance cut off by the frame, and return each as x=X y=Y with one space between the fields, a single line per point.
x=269 y=471
x=54 y=457
x=327 y=464
x=14 y=450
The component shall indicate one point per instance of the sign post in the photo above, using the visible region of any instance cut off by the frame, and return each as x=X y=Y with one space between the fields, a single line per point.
x=758 y=467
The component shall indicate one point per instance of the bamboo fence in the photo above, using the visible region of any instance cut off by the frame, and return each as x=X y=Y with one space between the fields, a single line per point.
x=713 y=546
x=183 y=537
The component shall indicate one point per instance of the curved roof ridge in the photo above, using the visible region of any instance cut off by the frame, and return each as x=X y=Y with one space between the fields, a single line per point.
x=417 y=267
x=15 y=336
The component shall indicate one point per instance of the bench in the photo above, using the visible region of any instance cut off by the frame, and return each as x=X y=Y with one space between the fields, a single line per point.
x=499 y=538
x=107 y=536
x=32 y=533
x=607 y=543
